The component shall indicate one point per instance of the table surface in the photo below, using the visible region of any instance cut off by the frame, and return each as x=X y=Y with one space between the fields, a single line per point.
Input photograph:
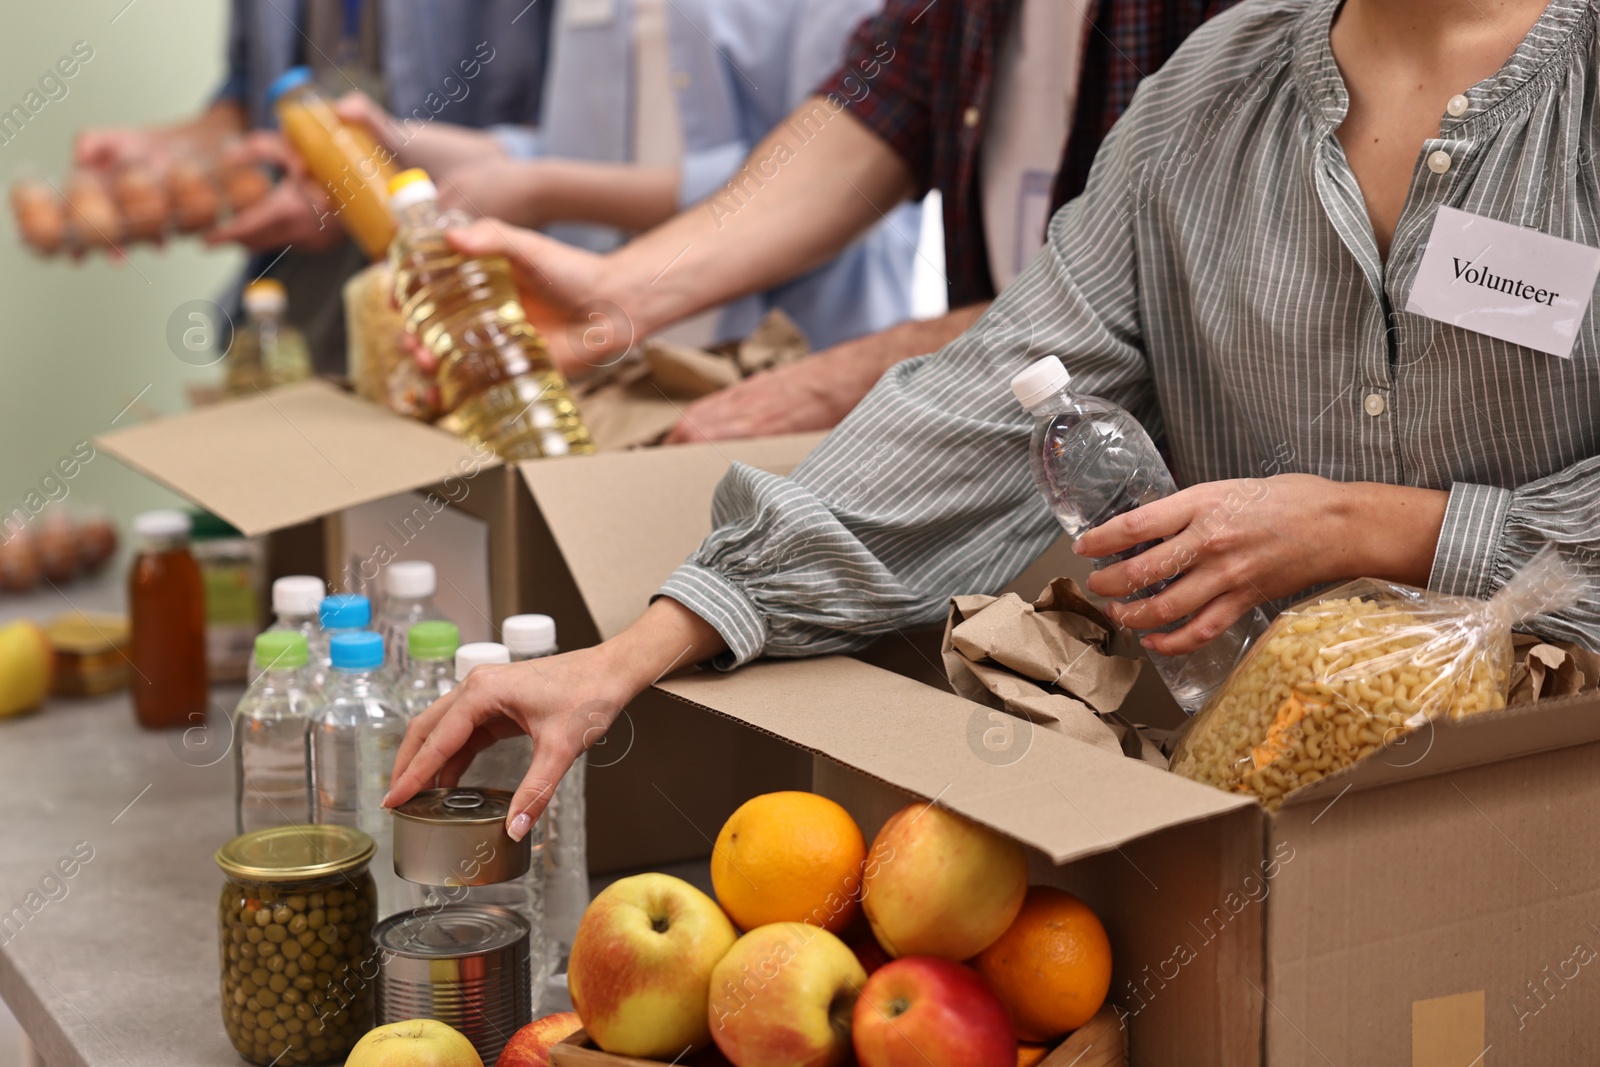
x=117 y=966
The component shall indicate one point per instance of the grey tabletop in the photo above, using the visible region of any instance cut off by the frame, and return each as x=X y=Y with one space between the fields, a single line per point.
x=116 y=965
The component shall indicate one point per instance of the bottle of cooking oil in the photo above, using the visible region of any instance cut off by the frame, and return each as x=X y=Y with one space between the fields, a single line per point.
x=495 y=373
x=267 y=352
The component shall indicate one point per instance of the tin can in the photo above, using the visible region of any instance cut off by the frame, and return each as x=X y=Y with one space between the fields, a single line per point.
x=465 y=965
x=458 y=837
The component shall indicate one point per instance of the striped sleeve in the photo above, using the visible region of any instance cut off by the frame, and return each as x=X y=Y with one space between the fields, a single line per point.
x=1489 y=534
x=924 y=490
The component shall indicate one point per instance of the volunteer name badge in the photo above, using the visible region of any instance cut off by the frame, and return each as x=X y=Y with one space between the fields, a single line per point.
x=1505 y=281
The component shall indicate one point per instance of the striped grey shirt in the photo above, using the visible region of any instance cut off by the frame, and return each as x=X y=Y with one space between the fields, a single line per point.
x=1219 y=279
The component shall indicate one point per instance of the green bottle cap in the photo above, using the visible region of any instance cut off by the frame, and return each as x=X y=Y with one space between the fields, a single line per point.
x=281 y=650
x=435 y=639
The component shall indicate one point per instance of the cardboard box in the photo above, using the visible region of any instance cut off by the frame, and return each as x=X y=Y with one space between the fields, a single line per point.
x=362 y=487
x=1440 y=895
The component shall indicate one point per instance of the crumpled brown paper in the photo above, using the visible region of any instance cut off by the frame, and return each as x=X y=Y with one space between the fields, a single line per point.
x=1050 y=662
x=1541 y=670
x=635 y=402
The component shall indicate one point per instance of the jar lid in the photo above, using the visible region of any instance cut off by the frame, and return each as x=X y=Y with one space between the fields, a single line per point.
x=460 y=806
x=295 y=853
x=450 y=932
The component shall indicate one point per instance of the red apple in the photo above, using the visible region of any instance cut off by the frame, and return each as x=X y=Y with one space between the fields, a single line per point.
x=921 y=1011
x=530 y=1046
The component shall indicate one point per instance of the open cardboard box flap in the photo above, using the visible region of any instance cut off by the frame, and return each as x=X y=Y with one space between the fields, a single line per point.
x=624 y=521
x=1063 y=797
x=297 y=454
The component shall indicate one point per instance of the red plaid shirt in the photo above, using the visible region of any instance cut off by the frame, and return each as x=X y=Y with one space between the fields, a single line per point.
x=920 y=75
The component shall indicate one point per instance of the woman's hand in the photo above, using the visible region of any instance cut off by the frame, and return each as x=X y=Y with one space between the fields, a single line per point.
x=1228 y=546
x=565 y=703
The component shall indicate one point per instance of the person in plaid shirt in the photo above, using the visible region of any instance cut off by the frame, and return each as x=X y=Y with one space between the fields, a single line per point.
x=930 y=96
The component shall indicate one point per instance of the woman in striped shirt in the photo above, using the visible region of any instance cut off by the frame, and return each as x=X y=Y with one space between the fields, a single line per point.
x=1235 y=275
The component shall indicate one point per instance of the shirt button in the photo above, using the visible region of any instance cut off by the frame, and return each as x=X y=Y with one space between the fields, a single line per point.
x=680 y=80
x=1374 y=404
x=1439 y=162
x=970 y=117
x=1457 y=106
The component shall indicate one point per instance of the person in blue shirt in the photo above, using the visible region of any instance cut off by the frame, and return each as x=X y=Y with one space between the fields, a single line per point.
x=652 y=106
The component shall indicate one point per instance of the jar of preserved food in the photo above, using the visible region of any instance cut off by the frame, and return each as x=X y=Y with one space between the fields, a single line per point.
x=298 y=964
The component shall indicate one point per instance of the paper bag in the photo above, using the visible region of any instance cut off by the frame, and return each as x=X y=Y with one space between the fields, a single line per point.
x=1541 y=670
x=1052 y=662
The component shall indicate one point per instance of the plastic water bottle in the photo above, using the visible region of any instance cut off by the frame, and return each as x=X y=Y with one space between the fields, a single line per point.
x=1093 y=461
x=295 y=600
x=431 y=648
x=566 y=835
x=341 y=613
x=408 y=588
x=502 y=766
x=352 y=744
x=269 y=736
x=495 y=373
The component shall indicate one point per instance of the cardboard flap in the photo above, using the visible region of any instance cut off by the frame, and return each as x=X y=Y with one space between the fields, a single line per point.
x=1450 y=745
x=291 y=455
x=1061 y=796
x=625 y=520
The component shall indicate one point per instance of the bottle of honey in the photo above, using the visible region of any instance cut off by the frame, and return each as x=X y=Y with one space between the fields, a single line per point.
x=167 y=623
x=344 y=158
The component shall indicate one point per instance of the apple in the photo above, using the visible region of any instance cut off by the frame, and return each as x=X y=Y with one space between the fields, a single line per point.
x=414 y=1043
x=530 y=1046
x=27 y=667
x=922 y=1011
x=937 y=884
x=783 y=997
x=640 y=969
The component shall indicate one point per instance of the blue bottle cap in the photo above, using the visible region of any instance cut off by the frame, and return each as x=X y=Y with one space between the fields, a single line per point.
x=344 y=611
x=359 y=651
x=292 y=78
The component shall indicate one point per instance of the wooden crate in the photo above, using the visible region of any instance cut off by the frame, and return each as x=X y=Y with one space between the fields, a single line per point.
x=1101 y=1042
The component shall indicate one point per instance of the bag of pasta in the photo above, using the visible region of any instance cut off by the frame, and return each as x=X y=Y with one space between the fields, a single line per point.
x=1338 y=676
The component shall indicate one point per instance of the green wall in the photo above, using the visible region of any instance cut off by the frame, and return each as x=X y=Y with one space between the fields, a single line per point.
x=78 y=342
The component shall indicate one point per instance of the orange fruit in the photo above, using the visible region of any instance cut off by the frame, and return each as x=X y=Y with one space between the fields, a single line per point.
x=1028 y=1055
x=1052 y=966
x=789 y=857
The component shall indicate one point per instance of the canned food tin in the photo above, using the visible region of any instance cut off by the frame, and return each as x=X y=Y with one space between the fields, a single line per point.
x=458 y=837
x=465 y=965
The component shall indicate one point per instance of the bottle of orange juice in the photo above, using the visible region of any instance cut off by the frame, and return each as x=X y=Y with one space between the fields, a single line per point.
x=346 y=159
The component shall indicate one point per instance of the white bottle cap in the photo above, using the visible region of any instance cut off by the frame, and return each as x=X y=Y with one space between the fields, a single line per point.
x=163 y=523
x=297 y=594
x=1041 y=379
x=529 y=635
x=410 y=578
x=478 y=654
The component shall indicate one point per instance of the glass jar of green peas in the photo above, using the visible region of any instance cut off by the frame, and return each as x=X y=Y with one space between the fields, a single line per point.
x=298 y=964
